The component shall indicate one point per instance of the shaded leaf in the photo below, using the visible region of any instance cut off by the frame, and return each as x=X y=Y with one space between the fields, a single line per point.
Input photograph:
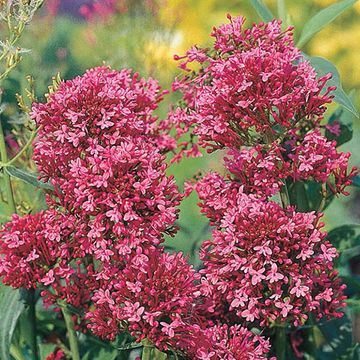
x=345 y=120
x=12 y=304
x=307 y=195
x=27 y=177
x=338 y=338
x=323 y=67
x=100 y=354
x=344 y=237
x=321 y=19
x=356 y=180
x=263 y=11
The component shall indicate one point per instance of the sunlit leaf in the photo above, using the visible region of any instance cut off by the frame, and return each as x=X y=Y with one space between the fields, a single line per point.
x=323 y=67
x=263 y=11
x=321 y=19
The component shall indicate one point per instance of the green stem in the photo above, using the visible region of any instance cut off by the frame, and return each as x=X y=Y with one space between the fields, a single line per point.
x=146 y=352
x=284 y=195
x=7 y=182
x=73 y=341
x=21 y=152
x=32 y=316
x=280 y=343
x=323 y=198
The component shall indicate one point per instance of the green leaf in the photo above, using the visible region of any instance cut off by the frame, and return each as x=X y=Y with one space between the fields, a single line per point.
x=12 y=305
x=307 y=195
x=321 y=19
x=262 y=10
x=27 y=177
x=345 y=237
x=298 y=196
x=356 y=180
x=323 y=67
x=338 y=338
x=345 y=120
x=100 y=354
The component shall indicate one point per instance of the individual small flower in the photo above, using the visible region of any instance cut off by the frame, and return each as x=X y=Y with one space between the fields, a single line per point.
x=265 y=263
x=318 y=159
x=253 y=79
x=151 y=299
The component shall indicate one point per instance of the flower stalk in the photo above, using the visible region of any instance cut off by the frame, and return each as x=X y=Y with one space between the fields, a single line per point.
x=73 y=341
x=280 y=343
x=146 y=352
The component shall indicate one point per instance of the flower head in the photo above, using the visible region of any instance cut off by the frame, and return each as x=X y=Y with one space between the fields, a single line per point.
x=253 y=79
x=151 y=299
x=265 y=263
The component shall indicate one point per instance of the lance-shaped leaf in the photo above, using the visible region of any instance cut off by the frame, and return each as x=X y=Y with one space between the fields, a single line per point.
x=27 y=177
x=321 y=19
x=12 y=304
x=323 y=67
x=263 y=11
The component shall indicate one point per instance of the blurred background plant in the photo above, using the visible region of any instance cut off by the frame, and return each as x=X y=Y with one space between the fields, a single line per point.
x=69 y=36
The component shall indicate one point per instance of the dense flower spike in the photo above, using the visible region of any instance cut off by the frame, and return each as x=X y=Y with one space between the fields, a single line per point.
x=229 y=343
x=101 y=109
x=252 y=79
x=152 y=298
x=31 y=246
x=40 y=251
x=266 y=263
x=101 y=146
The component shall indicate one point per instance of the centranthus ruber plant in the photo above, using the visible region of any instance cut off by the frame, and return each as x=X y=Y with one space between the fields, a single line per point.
x=97 y=270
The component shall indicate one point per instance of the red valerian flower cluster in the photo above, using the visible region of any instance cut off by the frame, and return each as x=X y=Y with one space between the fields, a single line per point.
x=38 y=252
x=102 y=148
x=266 y=263
x=252 y=79
x=157 y=299
x=257 y=98
x=152 y=298
x=98 y=246
x=230 y=343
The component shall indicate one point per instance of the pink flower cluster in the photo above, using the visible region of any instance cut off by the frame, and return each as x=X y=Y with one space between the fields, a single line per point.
x=39 y=251
x=98 y=246
x=317 y=159
x=262 y=169
x=152 y=297
x=230 y=343
x=156 y=298
x=102 y=148
x=259 y=169
x=268 y=264
x=252 y=79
